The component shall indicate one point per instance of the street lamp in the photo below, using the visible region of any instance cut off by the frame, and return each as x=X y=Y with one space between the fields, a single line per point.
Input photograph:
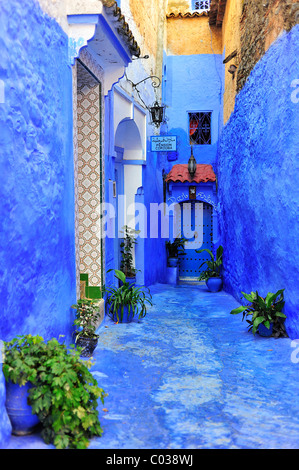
x=156 y=113
x=192 y=164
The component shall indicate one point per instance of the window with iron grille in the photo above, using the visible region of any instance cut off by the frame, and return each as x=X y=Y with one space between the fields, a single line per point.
x=201 y=5
x=200 y=128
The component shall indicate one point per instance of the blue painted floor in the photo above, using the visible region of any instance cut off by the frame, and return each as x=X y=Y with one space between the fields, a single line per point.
x=190 y=376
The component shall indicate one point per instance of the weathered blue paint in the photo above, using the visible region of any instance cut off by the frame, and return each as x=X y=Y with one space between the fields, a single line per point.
x=155 y=260
x=5 y=426
x=190 y=376
x=193 y=83
x=37 y=260
x=258 y=174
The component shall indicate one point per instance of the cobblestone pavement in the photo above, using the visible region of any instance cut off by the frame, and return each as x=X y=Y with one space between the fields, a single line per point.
x=190 y=376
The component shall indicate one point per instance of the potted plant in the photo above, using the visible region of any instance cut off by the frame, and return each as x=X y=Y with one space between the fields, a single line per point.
x=127 y=264
x=126 y=301
x=266 y=313
x=174 y=249
x=61 y=391
x=212 y=275
x=87 y=312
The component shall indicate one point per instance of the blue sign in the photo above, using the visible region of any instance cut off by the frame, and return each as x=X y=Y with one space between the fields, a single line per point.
x=163 y=143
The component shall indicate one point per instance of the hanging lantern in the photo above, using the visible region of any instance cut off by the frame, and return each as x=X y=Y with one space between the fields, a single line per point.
x=192 y=164
x=157 y=114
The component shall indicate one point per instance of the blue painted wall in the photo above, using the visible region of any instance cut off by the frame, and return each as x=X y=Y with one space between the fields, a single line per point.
x=155 y=252
x=192 y=83
x=258 y=170
x=37 y=262
x=37 y=255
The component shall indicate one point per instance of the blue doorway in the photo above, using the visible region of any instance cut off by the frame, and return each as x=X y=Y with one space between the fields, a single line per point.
x=202 y=227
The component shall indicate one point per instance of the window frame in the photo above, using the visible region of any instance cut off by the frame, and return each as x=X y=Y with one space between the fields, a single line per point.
x=188 y=127
x=198 y=9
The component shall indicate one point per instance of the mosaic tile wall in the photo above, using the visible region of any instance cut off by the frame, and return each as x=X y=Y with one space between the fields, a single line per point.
x=88 y=177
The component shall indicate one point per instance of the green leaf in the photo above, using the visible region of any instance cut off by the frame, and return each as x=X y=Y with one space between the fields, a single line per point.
x=238 y=310
x=258 y=320
x=280 y=314
x=248 y=297
x=271 y=297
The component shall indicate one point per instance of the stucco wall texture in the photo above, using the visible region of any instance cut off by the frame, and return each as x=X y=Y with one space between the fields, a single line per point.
x=189 y=36
x=37 y=268
x=258 y=176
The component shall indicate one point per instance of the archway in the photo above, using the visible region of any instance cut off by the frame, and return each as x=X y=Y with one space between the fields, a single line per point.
x=128 y=176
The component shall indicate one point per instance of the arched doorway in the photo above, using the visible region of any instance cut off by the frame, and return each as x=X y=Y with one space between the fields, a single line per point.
x=196 y=223
x=128 y=177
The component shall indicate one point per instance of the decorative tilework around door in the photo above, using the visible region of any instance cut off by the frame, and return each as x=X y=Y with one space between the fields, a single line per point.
x=89 y=185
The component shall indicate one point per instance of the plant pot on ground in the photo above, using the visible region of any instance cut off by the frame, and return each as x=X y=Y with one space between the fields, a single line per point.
x=264 y=315
x=127 y=259
x=212 y=275
x=175 y=249
x=87 y=313
x=127 y=301
x=62 y=392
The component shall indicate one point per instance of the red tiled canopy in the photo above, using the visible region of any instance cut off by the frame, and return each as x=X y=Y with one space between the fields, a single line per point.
x=203 y=174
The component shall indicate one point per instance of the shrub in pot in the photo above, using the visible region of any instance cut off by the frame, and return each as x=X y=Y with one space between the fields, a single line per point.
x=126 y=301
x=212 y=275
x=87 y=312
x=127 y=262
x=266 y=313
x=62 y=392
x=174 y=249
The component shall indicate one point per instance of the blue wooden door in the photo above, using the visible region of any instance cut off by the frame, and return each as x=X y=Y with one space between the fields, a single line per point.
x=201 y=223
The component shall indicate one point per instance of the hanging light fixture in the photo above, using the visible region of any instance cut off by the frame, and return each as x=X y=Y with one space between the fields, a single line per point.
x=157 y=113
x=192 y=164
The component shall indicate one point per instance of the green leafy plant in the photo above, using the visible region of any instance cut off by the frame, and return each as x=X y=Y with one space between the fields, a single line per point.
x=136 y=299
x=176 y=248
x=264 y=310
x=64 y=394
x=213 y=266
x=127 y=264
x=87 y=312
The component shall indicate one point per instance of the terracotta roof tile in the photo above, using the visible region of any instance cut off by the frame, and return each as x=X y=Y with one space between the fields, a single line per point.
x=123 y=28
x=179 y=172
x=188 y=14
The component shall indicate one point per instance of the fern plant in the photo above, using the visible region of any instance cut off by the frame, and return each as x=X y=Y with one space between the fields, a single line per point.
x=135 y=299
x=127 y=261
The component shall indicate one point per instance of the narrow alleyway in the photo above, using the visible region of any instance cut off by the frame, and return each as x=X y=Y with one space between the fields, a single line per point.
x=190 y=376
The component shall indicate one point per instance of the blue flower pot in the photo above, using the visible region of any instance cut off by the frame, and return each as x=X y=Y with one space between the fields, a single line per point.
x=264 y=331
x=214 y=284
x=19 y=411
x=131 y=280
x=126 y=318
x=173 y=262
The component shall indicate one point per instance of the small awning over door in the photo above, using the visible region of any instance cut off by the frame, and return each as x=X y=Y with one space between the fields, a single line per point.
x=180 y=173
